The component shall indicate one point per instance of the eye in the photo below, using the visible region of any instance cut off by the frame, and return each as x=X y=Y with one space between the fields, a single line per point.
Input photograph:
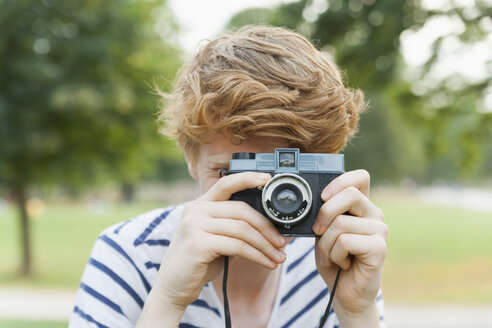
x=219 y=170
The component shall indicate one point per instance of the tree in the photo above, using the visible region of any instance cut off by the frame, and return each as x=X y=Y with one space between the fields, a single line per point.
x=362 y=37
x=406 y=132
x=75 y=93
x=455 y=106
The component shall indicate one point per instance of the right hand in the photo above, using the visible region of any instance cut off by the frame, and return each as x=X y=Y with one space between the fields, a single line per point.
x=210 y=228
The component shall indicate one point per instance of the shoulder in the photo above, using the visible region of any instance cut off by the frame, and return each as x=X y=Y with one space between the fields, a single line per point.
x=122 y=268
x=144 y=226
x=140 y=242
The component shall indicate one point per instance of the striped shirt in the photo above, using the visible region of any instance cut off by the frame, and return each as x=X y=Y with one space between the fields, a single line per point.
x=125 y=260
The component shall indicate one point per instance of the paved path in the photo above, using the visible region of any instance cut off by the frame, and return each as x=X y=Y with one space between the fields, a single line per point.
x=56 y=304
x=466 y=198
x=438 y=316
x=36 y=304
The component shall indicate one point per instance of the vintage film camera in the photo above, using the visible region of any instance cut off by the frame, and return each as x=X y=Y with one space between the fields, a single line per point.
x=292 y=198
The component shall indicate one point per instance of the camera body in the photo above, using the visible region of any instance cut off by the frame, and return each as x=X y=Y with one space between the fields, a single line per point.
x=292 y=198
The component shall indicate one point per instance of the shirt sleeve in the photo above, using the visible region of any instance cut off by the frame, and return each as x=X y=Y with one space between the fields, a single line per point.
x=113 y=287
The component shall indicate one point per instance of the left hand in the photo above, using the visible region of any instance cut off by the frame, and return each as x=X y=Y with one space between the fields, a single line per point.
x=355 y=242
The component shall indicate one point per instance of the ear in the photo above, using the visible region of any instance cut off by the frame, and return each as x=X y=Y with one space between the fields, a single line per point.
x=192 y=168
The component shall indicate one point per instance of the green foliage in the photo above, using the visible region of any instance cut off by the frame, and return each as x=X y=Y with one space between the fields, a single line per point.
x=75 y=89
x=416 y=127
x=455 y=103
x=385 y=145
x=363 y=40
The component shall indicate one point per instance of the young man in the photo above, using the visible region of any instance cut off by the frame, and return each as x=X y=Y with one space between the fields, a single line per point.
x=254 y=90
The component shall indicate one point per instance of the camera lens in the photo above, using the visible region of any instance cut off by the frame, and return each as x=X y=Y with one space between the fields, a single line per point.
x=287 y=198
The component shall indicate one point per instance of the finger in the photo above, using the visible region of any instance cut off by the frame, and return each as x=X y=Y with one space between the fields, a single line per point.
x=239 y=229
x=349 y=200
x=242 y=211
x=347 y=224
x=369 y=250
x=322 y=257
x=230 y=184
x=359 y=179
x=227 y=246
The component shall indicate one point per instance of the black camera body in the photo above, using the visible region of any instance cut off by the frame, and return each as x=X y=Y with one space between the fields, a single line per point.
x=292 y=198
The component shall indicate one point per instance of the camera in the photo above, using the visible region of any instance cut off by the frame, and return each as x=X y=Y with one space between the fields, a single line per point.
x=292 y=197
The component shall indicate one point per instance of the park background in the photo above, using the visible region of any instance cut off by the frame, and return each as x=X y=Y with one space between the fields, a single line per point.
x=80 y=149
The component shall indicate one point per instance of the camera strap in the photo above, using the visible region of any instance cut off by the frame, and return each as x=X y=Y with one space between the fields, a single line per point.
x=224 y=293
x=227 y=313
x=332 y=296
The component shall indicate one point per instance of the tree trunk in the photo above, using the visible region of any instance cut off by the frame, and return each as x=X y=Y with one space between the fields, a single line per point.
x=25 y=235
x=128 y=192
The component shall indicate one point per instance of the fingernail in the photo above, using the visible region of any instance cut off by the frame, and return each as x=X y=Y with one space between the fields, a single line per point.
x=326 y=194
x=265 y=176
x=281 y=255
x=346 y=264
x=281 y=240
x=316 y=227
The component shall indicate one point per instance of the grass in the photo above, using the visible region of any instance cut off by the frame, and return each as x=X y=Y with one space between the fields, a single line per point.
x=435 y=254
x=62 y=237
x=31 y=324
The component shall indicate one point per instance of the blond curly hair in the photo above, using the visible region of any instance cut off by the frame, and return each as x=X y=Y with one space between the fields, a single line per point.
x=261 y=82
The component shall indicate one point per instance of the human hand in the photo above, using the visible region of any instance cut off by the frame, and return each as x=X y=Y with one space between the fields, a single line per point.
x=352 y=237
x=212 y=227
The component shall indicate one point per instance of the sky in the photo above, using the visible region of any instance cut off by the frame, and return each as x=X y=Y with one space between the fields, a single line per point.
x=202 y=19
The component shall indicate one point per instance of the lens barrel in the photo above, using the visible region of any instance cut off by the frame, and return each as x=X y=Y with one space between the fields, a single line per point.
x=287 y=199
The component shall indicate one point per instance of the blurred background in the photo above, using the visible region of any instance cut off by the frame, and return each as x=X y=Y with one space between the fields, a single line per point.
x=80 y=150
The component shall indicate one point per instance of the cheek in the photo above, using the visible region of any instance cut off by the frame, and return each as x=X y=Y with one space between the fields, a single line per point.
x=207 y=183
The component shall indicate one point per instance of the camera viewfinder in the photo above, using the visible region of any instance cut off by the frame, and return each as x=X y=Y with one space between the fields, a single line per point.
x=287 y=159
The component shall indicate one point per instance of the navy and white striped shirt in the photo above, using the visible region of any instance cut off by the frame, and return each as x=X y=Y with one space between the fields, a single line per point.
x=126 y=257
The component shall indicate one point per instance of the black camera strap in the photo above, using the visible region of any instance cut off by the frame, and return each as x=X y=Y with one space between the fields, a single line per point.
x=227 y=314
x=224 y=293
x=332 y=296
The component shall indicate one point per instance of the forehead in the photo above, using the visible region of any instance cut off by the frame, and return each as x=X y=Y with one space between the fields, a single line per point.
x=220 y=148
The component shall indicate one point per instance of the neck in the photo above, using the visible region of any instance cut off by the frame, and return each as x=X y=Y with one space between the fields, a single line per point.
x=248 y=282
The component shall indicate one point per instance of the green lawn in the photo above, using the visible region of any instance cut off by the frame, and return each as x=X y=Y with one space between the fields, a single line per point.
x=31 y=324
x=63 y=237
x=435 y=254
